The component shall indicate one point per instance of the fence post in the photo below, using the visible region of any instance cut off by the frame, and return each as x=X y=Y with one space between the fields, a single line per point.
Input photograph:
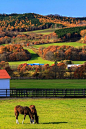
x=83 y=92
x=16 y=92
x=26 y=93
x=74 y=92
x=6 y=92
x=42 y=93
x=35 y=93
x=32 y=93
x=65 y=92
x=53 y=92
x=46 y=92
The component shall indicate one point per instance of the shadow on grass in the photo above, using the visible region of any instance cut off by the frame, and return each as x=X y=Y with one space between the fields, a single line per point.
x=55 y=123
x=34 y=56
x=49 y=123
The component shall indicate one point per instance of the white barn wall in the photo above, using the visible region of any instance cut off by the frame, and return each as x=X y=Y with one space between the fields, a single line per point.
x=4 y=84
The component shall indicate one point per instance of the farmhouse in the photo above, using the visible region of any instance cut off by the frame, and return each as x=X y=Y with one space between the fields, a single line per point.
x=72 y=65
x=4 y=83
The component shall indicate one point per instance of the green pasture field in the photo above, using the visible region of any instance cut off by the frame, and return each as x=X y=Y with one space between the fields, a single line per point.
x=54 y=83
x=74 y=44
x=53 y=113
x=43 y=31
x=35 y=59
x=78 y=62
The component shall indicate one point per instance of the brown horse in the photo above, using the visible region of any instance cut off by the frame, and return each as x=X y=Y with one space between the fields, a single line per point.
x=25 y=111
x=34 y=112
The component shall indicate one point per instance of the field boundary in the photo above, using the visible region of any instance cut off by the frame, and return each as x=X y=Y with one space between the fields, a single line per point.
x=31 y=93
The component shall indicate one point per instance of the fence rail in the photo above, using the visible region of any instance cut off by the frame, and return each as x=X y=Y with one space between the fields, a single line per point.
x=42 y=93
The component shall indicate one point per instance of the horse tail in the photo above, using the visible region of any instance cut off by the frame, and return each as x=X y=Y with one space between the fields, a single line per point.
x=15 y=110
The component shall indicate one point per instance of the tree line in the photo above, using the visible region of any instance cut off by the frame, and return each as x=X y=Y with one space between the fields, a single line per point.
x=68 y=33
x=63 y=53
x=54 y=71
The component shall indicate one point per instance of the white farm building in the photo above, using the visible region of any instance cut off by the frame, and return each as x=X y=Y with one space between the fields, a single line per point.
x=4 y=83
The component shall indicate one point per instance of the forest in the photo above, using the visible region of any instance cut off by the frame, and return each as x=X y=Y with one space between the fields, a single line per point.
x=32 y=21
x=24 y=22
x=69 y=32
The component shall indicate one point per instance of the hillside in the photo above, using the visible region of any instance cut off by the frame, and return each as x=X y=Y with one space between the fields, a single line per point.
x=19 y=29
x=32 y=21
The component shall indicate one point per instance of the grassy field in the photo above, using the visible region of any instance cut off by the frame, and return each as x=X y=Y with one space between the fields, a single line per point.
x=43 y=31
x=74 y=44
x=53 y=113
x=35 y=59
x=58 y=83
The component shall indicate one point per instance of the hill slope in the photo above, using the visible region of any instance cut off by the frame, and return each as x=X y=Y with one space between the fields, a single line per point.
x=32 y=21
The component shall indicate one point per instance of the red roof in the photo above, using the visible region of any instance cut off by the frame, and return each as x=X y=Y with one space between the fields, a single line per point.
x=4 y=74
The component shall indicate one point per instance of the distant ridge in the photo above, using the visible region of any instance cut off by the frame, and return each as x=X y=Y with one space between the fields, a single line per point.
x=53 y=15
x=32 y=21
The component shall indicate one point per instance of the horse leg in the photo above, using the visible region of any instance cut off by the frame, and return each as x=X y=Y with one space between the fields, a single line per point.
x=32 y=120
x=16 y=114
x=24 y=118
x=36 y=119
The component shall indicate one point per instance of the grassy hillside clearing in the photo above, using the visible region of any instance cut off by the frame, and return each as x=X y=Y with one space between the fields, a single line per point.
x=35 y=59
x=74 y=44
x=53 y=113
x=58 y=83
x=43 y=31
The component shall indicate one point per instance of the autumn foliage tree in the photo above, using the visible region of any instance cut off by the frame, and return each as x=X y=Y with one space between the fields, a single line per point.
x=6 y=66
x=63 y=53
x=13 y=53
x=80 y=71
